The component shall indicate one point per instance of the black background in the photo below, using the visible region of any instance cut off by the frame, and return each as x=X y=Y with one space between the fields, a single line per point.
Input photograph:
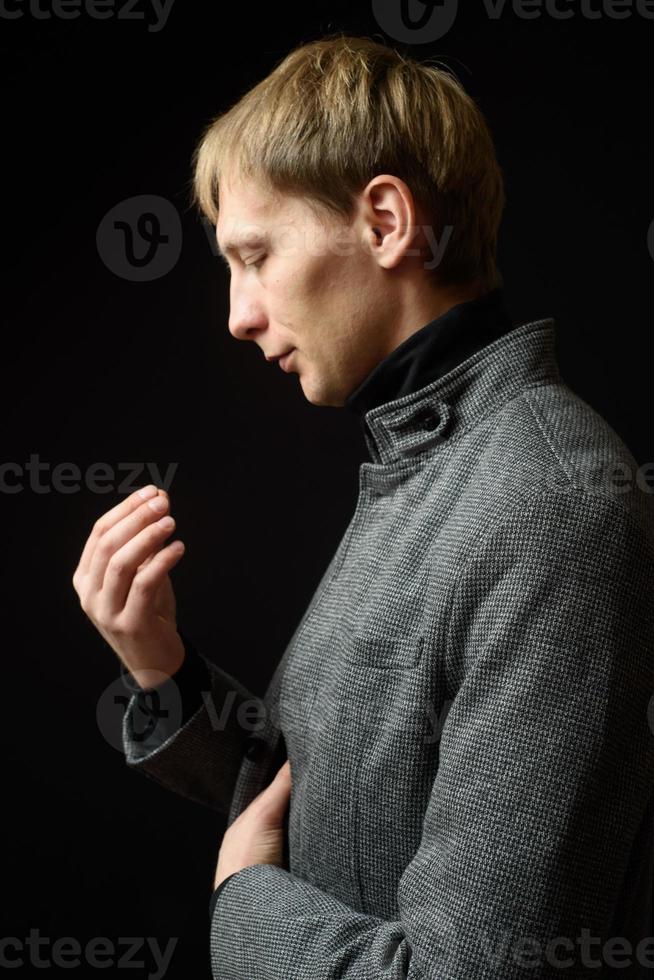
x=101 y=369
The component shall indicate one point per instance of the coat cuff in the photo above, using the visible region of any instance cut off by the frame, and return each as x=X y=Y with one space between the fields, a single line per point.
x=272 y=925
x=165 y=708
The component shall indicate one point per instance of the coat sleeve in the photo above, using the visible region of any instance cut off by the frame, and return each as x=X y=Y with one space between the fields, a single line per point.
x=190 y=733
x=546 y=765
x=166 y=707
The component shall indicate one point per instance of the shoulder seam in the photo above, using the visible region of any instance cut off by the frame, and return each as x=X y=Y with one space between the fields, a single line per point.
x=546 y=435
x=512 y=396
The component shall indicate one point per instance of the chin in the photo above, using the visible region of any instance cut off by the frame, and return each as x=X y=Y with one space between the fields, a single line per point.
x=322 y=396
x=312 y=392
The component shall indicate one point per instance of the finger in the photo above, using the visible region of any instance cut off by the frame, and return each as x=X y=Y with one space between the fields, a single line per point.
x=119 y=534
x=150 y=557
x=281 y=777
x=274 y=798
x=146 y=562
x=146 y=582
x=112 y=517
x=125 y=562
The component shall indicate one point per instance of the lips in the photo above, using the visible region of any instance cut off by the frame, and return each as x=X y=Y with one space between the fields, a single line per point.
x=284 y=361
x=278 y=357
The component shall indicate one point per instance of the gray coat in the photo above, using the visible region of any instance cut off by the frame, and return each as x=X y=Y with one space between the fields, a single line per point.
x=465 y=705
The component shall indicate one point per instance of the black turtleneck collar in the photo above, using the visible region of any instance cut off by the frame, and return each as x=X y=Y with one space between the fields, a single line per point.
x=433 y=351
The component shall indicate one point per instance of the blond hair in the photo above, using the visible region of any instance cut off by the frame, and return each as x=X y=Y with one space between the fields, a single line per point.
x=338 y=111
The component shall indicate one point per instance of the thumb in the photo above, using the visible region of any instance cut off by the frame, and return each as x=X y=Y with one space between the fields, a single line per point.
x=277 y=792
x=283 y=774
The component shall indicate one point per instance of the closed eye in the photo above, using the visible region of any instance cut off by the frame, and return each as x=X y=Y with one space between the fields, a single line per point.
x=257 y=264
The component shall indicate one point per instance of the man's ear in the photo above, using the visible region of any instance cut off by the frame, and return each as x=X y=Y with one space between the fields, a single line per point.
x=390 y=209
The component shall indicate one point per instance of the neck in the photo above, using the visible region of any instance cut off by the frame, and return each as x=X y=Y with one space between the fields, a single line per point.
x=428 y=351
x=429 y=307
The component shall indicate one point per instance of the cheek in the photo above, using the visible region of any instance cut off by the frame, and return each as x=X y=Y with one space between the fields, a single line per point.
x=336 y=268
x=305 y=302
x=314 y=280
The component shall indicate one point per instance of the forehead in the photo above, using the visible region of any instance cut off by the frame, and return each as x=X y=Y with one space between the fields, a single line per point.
x=251 y=214
x=247 y=214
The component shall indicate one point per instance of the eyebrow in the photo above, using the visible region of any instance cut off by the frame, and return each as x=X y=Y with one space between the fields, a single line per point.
x=251 y=239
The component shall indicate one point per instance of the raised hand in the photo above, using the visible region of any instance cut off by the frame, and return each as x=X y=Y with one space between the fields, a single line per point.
x=123 y=585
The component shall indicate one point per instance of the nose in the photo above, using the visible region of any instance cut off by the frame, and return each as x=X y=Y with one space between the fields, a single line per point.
x=243 y=329
x=246 y=319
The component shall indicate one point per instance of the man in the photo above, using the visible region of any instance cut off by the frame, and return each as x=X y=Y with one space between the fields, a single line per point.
x=465 y=702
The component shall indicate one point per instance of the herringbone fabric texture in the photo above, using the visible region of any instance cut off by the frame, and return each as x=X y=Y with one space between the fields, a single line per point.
x=465 y=704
